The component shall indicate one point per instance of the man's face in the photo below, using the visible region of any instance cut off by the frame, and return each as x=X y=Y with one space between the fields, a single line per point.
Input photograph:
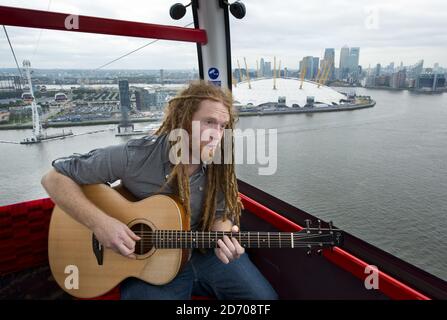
x=213 y=118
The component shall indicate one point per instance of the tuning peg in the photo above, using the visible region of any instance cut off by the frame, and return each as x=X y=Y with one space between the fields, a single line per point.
x=309 y=251
x=320 y=251
x=307 y=225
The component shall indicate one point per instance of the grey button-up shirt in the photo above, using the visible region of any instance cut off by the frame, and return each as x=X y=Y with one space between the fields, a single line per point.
x=143 y=166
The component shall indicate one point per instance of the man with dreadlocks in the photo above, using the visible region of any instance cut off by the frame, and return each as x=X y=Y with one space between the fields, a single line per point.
x=154 y=164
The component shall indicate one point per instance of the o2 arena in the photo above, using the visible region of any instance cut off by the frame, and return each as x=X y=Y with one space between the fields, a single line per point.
x=291 y=95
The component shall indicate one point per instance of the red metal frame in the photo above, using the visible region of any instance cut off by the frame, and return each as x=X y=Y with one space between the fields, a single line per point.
x=32 y=218
x=56 y=21
x=390 y=286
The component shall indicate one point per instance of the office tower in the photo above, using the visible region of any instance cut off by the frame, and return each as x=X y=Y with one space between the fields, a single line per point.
x=329 y=58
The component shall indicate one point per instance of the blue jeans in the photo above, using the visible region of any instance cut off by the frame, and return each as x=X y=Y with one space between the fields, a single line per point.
x=205 y=274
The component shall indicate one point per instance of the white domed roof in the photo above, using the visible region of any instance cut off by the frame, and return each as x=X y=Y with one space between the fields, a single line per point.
x=262 y=92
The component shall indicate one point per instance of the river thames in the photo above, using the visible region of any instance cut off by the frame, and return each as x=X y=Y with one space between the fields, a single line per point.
x=379 y=173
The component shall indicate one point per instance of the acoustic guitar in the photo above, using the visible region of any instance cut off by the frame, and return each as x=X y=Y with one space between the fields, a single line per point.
x=85 y=269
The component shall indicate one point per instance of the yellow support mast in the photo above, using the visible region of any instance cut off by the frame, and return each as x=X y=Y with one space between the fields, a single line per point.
x=279 y=69
x=247 y=73
x=240 y=71
x=274 y=73
x=318 y=77
x=322 y=74
x=303 y=74
x=326 y=76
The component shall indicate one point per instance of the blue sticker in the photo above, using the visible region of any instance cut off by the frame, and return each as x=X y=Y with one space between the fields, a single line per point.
x=213 y=73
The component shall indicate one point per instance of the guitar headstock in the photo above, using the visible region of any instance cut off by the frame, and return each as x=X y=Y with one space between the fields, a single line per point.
x=318 y=237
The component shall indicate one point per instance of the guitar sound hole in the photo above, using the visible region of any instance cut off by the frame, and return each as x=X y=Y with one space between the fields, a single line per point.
x=144 y=245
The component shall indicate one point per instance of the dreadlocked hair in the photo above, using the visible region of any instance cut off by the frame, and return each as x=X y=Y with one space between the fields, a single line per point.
x=220 y=177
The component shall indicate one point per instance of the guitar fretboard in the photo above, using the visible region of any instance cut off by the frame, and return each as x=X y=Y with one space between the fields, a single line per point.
x=177 y=239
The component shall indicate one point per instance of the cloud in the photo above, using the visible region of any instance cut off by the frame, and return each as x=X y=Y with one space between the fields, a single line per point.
x=402 y=31
x=293 y=29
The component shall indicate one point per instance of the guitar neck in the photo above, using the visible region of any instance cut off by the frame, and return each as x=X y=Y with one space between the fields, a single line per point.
x=177 y=239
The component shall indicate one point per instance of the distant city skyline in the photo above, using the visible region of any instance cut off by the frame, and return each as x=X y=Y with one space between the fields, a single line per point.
x=385 y=31
x=262 y=61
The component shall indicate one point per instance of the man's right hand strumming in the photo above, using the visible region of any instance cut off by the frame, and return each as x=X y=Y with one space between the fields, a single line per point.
x=115 y=235
x=110 y=232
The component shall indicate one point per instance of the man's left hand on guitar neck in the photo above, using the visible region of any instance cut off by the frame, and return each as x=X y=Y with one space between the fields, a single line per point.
x=229 y=249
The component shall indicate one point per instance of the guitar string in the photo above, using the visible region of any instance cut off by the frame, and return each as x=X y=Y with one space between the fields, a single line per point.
x=242 y=240
x=228 y=233
x=147 y=248
x=272 y=232
x=250 y=242
x=285 y=237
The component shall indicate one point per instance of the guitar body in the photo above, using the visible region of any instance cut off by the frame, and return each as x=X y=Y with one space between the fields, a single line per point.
x=85 y=269
x=86 y=273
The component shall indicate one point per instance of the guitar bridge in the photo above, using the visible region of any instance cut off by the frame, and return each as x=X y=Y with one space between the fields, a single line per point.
x=98 y=250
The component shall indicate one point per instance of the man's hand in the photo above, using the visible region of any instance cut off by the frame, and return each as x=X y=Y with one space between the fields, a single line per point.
x=115 y=235
x=229 y=249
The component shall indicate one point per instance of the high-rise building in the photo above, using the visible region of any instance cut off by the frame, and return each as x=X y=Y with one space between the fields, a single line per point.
x=310 y=65
x=261 y=68
x=349 y=62
x=124 y=93
x=315 y=66
x=377 y=70
x=123 y=86
x=139 y=99
x=398 y=79
x=344 y=62
x=415 y=70
x=391 y=67
x=354 y=57
x=307 y=66
x=267 y=69
x=329 y=58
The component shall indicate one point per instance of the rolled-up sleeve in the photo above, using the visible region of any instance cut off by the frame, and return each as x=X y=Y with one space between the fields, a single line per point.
x=103 y=165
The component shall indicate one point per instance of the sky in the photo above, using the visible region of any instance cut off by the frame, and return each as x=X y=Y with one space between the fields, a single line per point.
x=385 y=30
